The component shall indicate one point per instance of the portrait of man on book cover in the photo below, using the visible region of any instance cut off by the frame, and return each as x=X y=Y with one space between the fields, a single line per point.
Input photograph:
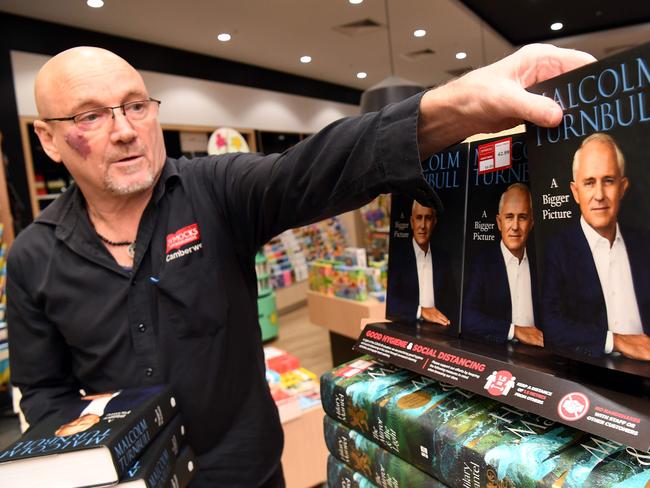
x=422 y=285
x=596 y=290
x=500 y=301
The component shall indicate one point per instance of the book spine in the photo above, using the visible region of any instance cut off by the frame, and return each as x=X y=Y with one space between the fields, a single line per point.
x=340 y=475
x=155 y=465
x=143 y=425
x=368 y=458
x=183 y=469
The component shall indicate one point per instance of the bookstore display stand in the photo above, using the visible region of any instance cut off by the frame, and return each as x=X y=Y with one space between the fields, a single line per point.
x=611 y=404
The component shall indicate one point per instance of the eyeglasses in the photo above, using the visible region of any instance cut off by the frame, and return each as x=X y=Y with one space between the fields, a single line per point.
x=97 y=117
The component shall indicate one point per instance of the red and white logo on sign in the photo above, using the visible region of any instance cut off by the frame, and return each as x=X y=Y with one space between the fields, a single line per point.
x=573 y=406
x=182 y=237
x=499 y=383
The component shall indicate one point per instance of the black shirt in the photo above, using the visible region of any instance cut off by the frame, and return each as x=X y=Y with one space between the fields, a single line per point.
x=186 y=314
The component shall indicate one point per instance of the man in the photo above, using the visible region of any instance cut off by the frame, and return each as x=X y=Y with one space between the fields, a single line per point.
x=596 y=295
x=143 y=271
x=500 y=301
x=423 y=287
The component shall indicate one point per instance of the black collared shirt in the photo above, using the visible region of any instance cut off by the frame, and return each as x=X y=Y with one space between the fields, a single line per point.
x=186 y=314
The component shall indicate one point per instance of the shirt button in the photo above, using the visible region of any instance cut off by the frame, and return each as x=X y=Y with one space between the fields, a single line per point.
x=149 y=372
x=142 y=327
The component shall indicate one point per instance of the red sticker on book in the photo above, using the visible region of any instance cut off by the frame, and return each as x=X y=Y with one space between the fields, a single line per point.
x=573 y=406
x=495 y=156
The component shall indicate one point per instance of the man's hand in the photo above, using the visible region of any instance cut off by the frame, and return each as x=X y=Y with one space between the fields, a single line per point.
x=432 y=314
x=494 y=98
x=635 y=346
x=529 y=335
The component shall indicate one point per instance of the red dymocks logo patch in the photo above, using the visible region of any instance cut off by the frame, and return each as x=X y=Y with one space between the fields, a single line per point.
x=183 y=236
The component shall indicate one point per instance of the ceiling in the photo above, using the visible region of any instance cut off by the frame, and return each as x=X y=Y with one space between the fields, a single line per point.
x=274 y=34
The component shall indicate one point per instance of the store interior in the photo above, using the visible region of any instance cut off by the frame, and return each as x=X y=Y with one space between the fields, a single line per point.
x=262 y=76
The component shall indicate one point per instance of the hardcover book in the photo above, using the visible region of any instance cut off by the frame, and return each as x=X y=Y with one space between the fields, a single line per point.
x=368 y=458
x=340 y=475
x=183 y=469
x=592 y=214
x=154 y=467
x=425 y=250
x=500 y=295
x=93 y=441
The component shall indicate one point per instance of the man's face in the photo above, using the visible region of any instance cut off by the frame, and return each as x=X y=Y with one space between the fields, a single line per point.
x=121 y=157
x=599 y=186
x=80 y=424
x=515 y=221
x=423 y=220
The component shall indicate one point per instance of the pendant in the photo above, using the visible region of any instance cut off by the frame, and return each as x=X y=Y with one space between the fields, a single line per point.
x=131 y=250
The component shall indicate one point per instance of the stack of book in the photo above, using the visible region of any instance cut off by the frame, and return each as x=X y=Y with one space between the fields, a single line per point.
x=295 y=389
x=133 y=437
x=390 y=427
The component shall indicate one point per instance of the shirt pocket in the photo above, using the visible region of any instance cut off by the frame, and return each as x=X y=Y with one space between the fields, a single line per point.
x=193 y=299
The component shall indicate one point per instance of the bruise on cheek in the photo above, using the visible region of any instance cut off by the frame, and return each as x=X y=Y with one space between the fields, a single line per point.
x=78 y=142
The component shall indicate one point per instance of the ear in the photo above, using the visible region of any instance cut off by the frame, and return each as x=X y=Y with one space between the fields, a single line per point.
x=626 y=183
x=498 y=219
x=574 y=191
x=45 y=135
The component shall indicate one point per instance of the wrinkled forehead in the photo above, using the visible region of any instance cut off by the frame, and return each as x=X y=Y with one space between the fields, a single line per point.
x=80 y=80
x=598 y=157
x=516 y=200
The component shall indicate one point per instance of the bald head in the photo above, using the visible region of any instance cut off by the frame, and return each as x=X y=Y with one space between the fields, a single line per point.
x=66 y=71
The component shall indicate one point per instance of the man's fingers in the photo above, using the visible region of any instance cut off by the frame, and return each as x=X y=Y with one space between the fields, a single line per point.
x=537 y=109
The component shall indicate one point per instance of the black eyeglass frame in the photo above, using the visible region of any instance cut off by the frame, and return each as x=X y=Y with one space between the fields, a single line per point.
x=121 y=107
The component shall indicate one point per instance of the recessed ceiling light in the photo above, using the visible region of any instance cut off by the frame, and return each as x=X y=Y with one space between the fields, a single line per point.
x=224 y=37
x=95 y=3
x=361 y=75
x=461 y=55
x=420 y=33
x=305 y=59
x=355 y=2
x=557 y=26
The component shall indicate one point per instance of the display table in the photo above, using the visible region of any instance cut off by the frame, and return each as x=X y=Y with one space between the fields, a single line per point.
x=304 y=459
x=342 y=317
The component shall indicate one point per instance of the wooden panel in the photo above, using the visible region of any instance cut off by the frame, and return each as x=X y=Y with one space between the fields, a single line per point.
x=341 y=315
x=304 y=459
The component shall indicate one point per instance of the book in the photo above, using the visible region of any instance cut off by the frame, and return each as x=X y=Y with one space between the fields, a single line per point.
x=368 y=458
x=399 y=412
x=92 y=441
x=595 y=462
x=500 y=445
x=589 y=181
x=340 y=475
x=183 y=469
x=499 y=244
x=154 y=467
x=434 y=235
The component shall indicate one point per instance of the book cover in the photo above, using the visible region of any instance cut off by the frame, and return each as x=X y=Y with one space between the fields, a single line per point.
x=340 y=475
x=93 y=441
x=183 y=469
x=368 y=458
x=426 y=247
x=154 y=467
x=346 y=389
x=500 y=295
x=500 y=446
x=589 y=181
x=595 y=462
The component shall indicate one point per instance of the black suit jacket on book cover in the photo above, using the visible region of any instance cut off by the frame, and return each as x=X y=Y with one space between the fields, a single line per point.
x=405 y=296
x=487 y=304
x=574 y=316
